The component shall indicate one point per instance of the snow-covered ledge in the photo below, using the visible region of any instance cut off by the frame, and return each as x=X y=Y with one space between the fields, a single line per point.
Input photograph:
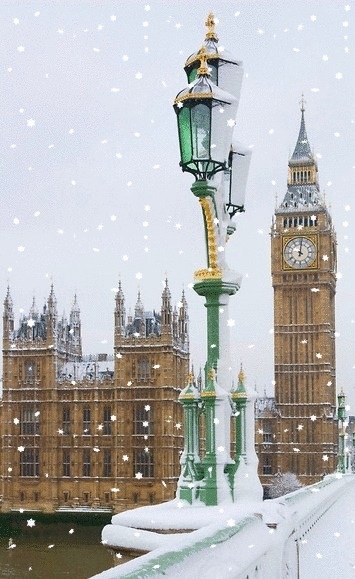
x=239 y=538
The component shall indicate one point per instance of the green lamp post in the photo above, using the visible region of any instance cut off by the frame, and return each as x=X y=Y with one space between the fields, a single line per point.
x=205 y=118
x=341 y=419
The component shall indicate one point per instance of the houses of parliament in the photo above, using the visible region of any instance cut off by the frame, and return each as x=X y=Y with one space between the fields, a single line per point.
x=106 y=432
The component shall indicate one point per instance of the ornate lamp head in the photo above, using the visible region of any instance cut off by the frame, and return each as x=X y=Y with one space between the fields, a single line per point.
x=226 y=71
x=205 y=116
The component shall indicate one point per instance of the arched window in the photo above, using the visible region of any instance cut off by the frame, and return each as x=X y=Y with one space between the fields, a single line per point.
x=30 y=371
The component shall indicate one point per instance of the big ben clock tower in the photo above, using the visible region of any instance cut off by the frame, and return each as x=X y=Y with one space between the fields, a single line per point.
x=303 y=267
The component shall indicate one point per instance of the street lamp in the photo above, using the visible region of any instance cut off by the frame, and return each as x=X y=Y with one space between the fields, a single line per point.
x=206 y=119
x=341 y=419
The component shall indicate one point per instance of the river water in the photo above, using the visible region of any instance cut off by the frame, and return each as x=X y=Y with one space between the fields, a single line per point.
x=52 y=549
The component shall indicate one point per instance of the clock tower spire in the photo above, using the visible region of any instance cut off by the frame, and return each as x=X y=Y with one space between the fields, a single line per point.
x=303 y=267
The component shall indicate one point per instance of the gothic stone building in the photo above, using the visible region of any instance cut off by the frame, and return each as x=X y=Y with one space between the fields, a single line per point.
x=297 y=430
x=92 y=431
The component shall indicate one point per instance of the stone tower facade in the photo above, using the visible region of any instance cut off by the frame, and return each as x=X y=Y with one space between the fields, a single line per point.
x=84 y=431
x=297 y=431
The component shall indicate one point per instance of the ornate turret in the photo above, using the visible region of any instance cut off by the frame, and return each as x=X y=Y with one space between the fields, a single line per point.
x=33 y=313
x=52 y=303
x=139 y=320
x=75 y=347
x=120 y=312
x=8 y=317
x=184 y=320
x=302 y=185
x=166 y=310
x=51 y=315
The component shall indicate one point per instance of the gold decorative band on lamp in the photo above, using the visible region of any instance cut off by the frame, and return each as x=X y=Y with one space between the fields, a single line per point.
x=194 y=95
x=195 y=57
x=210 y=273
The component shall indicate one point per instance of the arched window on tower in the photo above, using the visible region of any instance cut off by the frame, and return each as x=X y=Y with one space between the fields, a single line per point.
x=30 y=371
x=143 y=370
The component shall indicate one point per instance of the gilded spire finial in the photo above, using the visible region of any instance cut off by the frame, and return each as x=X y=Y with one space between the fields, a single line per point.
x=190 y=378
x=241 y=375
x=210 y=23
x=203 y=68
x=302 y=103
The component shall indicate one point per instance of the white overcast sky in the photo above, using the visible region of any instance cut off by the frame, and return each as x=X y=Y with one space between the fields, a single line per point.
x=89 y=143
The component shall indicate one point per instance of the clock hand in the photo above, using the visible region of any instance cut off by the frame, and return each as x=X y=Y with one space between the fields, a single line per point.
x=300 y=249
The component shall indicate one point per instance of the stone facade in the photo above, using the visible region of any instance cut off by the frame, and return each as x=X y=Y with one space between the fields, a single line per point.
x=92 y=431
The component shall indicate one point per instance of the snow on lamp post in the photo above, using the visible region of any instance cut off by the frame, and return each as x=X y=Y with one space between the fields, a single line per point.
x=205 y=117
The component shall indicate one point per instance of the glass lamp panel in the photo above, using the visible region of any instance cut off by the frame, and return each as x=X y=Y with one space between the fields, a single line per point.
x=200 y=130
x=239 y=175
x=230 y=78
x=192 y=74
x=221 y=136
x=184 y=125
x=213 y=69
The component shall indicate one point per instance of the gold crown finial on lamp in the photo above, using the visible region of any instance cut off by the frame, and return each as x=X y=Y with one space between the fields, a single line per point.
x=210 y=23
x=203 y=68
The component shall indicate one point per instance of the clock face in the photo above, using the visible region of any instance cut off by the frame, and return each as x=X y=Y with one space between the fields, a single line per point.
x=300 y=252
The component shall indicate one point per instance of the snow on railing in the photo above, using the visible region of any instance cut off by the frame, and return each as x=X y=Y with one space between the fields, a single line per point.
x=263 y=543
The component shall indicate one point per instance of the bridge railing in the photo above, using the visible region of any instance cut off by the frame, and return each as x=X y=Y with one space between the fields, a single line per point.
x=258 y=545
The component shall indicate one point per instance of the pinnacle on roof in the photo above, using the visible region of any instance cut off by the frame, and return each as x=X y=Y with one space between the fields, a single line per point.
x=52 y=300
x=302 y=153
x=139 y=308
x=75 y=306
x=33 y=309
x=8 y=300
x=120 y=292
x=166 y=291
